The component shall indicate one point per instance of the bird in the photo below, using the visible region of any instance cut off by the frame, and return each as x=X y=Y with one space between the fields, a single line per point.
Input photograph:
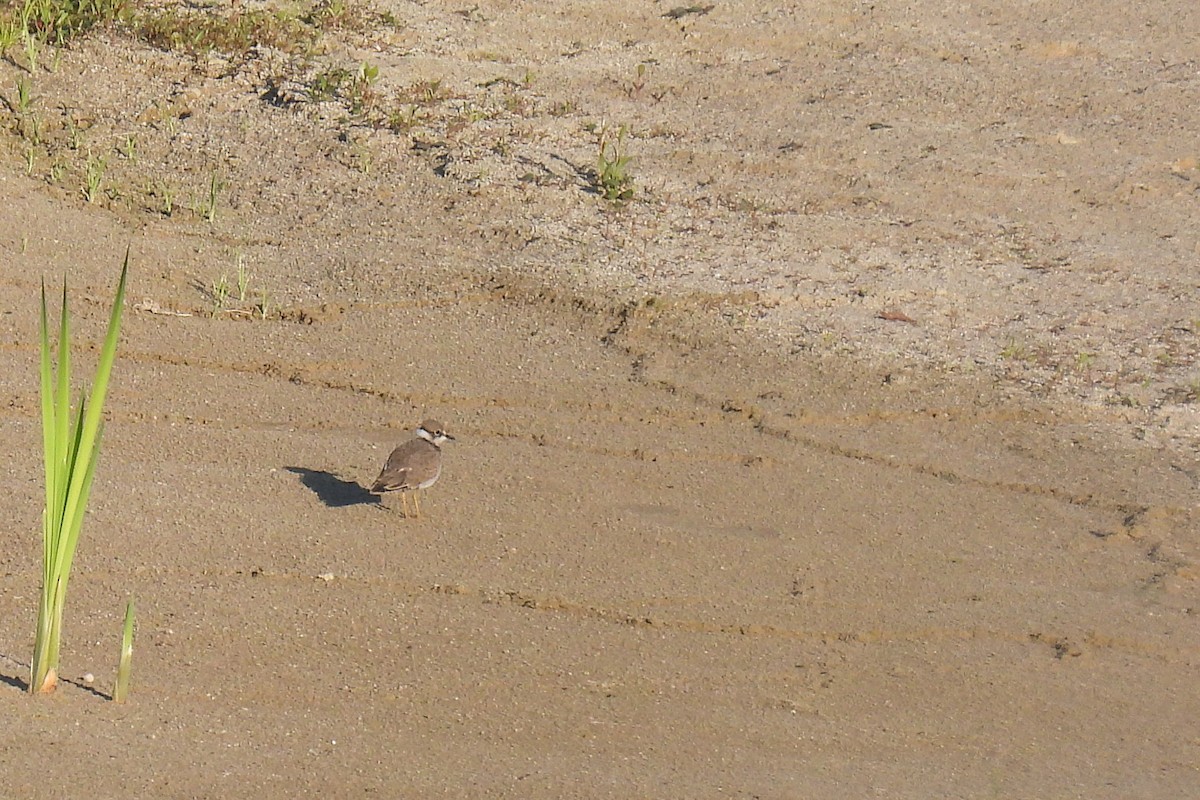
x=414 y=465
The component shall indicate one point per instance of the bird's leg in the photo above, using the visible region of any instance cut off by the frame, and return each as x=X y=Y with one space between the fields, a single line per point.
x=417 y=502
x=404 y=503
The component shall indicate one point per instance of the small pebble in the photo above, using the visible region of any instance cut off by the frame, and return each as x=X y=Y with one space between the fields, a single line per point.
x=88 y=677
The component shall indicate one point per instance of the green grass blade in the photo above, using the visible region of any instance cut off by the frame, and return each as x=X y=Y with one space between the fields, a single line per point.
x=51 y=517
x=66 y=535
x=65 y=532
x=48 y=427
x=76 y=500
x=62 y=408
x=49 y=445
x=69 y=537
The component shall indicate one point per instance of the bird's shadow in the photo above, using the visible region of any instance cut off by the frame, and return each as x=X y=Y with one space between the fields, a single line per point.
x=332 y=490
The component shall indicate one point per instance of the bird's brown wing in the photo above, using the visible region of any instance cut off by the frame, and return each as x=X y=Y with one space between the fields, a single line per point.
x=394 y=475
x=391 y=483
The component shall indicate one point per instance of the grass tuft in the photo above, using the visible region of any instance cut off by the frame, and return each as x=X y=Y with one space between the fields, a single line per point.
x=613 y=180
x=71 y=450
x=34 y=23
x=93 y=177
x=173 y=28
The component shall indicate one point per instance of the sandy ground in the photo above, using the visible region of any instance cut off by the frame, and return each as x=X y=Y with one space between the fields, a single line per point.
x=856 y=456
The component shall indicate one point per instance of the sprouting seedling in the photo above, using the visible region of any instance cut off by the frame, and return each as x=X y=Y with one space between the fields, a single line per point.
x=399 y=120
x=93 y=177
x=243 y=279
x=361 y=94
x=209 y=208
x=639 y=81
x=428 y=91
x=125 y=661
x=262 y=303
x=361 y=157
x=612 y=168
x=326 y=84
x=129 y=150
x=24 y=96
x=74 y=135
x=31 y=126
x=30 y=42
x=367 y=73
x=220 y=294
x=168 y=198
x=10 y=33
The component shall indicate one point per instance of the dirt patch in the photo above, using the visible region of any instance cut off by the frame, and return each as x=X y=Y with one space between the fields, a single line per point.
x=855 y=454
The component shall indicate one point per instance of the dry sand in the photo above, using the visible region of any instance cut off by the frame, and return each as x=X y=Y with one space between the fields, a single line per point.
x=857 y=456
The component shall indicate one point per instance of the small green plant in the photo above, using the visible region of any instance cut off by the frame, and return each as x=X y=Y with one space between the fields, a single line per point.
x=613 y=180
x=93 y=177
x=518 y=105
x=31 y=128
x=24 y=96
x=328 y=14
x=125 y=661
x=30 y=160
x=239 y=295
x=57 y=21
x=220 y=294
x=170 y=26
x=262 y=303
x=400 y=120
x=30 y=42
x=426 y=92
x=368 y=73
x=10 y=33
x=362 y=95
x=327 y=84
x=71 y=448
x=639 y=82
x=207 y=208
x=74 y=135
x=167 y=195
x=1014 y=351
x=129 y=150
x=243 y=279
x=215 y=187
x=361 y=157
